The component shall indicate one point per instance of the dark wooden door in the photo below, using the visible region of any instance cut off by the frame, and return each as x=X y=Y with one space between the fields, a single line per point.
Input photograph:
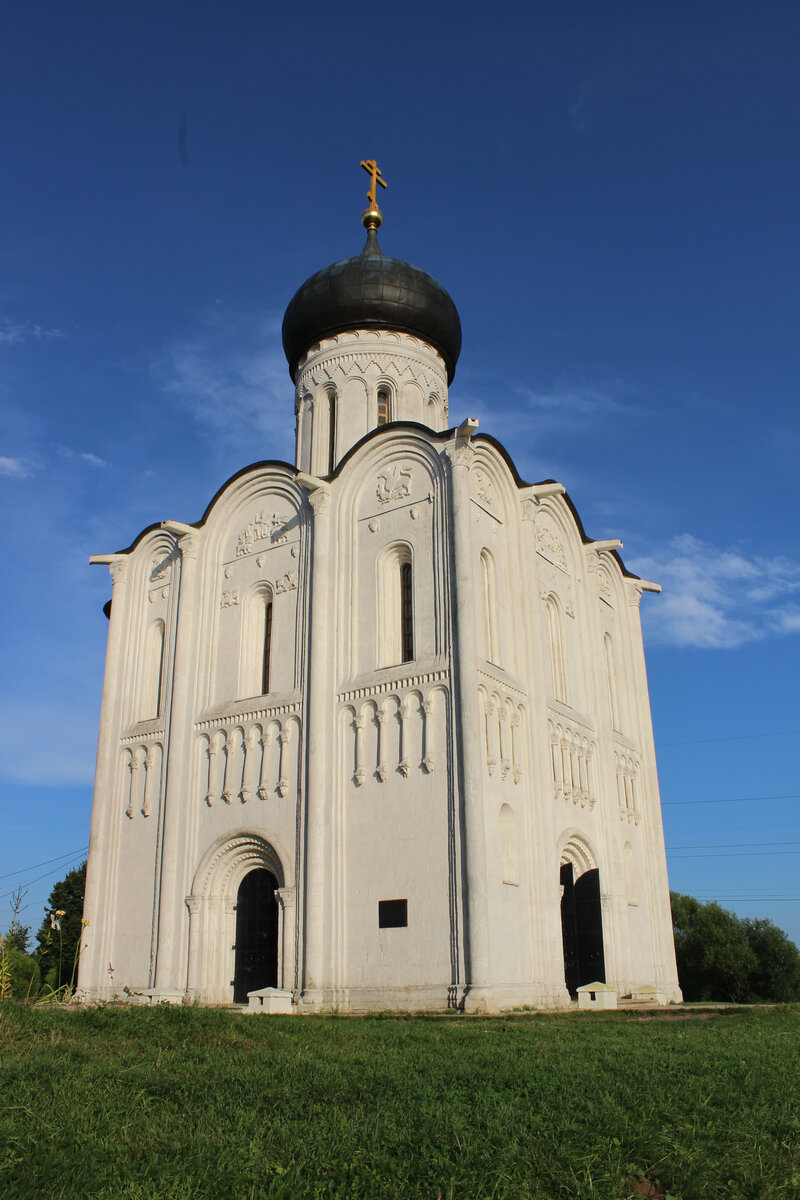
x=582 y=929
x=256 y=964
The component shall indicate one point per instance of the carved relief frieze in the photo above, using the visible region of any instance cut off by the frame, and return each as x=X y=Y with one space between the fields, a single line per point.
x=502 y=736
x=572 y=756
x=482 y=486
x=141 y=782
x=286 y=583
x=229 y=598
x=396 y=736
x=627 y=767
x=265 y=527
x=162 y=565
x=550 y=546
x=604 y=585
x=240 y=763
x=408 y=357
x=394 y=483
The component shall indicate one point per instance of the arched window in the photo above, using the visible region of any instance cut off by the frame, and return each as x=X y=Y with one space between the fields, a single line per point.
x=395 y=606
x=257 y=644
x=491 y=631
x=611 y=676
x=331 y=431
x=306 y=419
x=383 y=406
x=556 y=649
x=153 y=680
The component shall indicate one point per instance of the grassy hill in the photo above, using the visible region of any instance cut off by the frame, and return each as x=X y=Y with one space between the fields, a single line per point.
x=184 y=1103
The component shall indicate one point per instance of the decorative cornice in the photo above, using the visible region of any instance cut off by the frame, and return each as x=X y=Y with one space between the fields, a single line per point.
x=393 y=685
x=238 y=716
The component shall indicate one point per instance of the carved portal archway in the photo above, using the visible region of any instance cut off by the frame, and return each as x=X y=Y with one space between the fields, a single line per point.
x=581 y=916
x=212 y=914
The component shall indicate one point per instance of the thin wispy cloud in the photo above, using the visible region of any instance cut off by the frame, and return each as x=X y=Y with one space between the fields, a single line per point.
x=231 y=384
x=14 y=468
x=86 y=456
x=717 y=597
x=16 y=333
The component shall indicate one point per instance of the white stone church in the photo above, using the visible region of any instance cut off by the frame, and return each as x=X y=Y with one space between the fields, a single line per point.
x=375 y=730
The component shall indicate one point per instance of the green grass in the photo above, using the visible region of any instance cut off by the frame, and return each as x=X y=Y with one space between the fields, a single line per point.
x=127 y=1103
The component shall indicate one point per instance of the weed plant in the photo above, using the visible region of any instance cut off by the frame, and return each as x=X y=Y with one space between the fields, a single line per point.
x=128 y=1103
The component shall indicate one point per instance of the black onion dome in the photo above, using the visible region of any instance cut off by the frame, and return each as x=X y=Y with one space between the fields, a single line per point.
x=372 y=292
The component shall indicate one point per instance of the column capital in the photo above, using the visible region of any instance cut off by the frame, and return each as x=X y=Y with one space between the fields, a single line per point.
x=319 y=492
x=459 y=448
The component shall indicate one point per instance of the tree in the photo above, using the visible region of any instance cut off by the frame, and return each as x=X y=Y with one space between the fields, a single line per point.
x=60 y=934
x=778 y=974
x=721 y=957
x=18 y=937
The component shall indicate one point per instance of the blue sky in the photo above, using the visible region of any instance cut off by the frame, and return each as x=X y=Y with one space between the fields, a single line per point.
x=609 y=193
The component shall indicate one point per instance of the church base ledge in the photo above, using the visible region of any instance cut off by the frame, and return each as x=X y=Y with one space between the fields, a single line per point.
x=495 y=998
x=441 y=998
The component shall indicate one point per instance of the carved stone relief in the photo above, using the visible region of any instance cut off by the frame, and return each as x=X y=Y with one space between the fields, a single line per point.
x=287 y=582
x=264 y=528
x=483 y=486
x=394 y=483
x=550 y=546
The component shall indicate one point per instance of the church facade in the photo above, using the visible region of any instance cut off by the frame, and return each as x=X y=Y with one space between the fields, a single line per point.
x=375 y=731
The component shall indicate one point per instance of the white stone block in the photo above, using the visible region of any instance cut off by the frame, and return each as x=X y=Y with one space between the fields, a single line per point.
x=650 y=994
x=270 y=1000
x=597 y=996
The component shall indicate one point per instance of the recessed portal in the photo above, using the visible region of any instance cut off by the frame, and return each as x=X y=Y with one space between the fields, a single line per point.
x=582 y=929
x=256 y=964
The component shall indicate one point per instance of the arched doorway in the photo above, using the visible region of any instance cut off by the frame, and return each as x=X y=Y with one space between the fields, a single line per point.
x=581 y=927
x=256 y=962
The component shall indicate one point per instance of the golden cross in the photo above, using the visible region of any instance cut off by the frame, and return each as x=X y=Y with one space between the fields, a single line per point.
x=374 y=171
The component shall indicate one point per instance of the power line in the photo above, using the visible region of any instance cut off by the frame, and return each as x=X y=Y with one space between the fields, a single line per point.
x=736 y=737
x=727 y=845
x=731 y=898
x=734 y=854
x=47 y=861
x=731 y=800
x=39 y=878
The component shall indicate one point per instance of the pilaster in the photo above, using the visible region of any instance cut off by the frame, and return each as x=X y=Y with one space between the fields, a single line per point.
x=99 y=880
x=316 y=892
x=460 y=454
x=170 y=964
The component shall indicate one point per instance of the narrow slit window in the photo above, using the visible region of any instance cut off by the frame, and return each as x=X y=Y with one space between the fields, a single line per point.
x=406 y=612
x=383 y=407
x=331 y=432
x=266 y=648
